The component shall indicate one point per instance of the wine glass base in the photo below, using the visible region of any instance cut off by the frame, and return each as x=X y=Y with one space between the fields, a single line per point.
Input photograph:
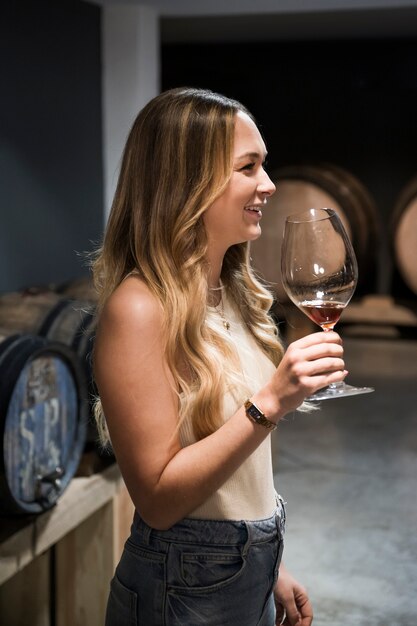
x=338 y=391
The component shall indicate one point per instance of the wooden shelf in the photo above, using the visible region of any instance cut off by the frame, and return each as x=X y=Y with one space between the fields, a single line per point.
x=61 y=561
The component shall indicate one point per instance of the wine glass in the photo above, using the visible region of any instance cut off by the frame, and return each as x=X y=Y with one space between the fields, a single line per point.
x=319 y=274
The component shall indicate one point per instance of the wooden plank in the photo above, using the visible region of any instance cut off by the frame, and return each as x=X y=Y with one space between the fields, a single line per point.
x=84 y=567
x=21 y=544
x=88 y=495
x=16 y=550
x=25 y=598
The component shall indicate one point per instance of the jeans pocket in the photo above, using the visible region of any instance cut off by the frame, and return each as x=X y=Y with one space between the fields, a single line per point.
x=210 y=570
x=121 y=606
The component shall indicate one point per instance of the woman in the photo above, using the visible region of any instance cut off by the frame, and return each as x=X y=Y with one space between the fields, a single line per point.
x=191 y=373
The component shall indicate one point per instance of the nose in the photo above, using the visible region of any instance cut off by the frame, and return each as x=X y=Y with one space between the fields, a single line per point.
x=266 y=187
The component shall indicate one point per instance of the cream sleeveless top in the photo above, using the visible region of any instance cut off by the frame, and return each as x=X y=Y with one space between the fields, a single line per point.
x=249 y=493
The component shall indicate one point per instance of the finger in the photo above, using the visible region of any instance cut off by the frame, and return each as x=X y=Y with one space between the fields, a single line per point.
x=280 y=614
x=320 y=350
x=319 y=382
x=302 y=370
x=292 y=616
x=323 y=366
x=305 y=609
x=329 y=336
x=317 y=350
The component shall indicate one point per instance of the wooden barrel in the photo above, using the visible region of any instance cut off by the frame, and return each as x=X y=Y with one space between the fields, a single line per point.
x=404 y=242
x=78 y=289
x=43 y=419
x=50 y=315
x=318 y=186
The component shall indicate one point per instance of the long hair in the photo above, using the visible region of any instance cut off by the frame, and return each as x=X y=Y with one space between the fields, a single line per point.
x=177 y=161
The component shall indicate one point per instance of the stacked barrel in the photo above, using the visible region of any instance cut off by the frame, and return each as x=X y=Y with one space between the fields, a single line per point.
x=45 y=395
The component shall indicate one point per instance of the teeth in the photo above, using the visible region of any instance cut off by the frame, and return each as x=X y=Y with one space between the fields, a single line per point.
x=252 y=208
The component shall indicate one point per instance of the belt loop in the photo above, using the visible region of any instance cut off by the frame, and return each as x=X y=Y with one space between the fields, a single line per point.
x=248 y=540
x=281 y=514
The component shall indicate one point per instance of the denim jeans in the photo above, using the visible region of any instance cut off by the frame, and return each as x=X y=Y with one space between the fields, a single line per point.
x=199 y=572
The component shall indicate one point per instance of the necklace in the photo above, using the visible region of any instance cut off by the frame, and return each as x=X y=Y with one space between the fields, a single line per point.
x=220 y=310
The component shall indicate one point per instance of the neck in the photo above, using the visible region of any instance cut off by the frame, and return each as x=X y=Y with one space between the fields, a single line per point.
x=215 y=263
x=214 y=285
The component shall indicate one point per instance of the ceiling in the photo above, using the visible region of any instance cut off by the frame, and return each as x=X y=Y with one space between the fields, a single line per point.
x=223 y=7
x=272 y=20
x=384 y=23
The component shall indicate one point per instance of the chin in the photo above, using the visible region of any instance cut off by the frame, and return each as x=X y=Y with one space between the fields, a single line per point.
x=250 y=235
x=255 y=234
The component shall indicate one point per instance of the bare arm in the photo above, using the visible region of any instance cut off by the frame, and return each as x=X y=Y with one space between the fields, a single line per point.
x=167 y=482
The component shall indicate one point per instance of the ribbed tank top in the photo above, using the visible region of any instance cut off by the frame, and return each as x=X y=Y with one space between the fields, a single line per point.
x=249 y=493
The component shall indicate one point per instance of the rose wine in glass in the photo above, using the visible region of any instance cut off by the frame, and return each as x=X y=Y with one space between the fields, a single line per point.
x=319 y=274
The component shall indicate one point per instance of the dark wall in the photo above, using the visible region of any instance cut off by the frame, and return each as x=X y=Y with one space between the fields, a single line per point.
x=50 y=136
x=352 y=103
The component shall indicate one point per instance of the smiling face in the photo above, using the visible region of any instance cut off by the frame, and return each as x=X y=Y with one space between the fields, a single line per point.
x=235 y=216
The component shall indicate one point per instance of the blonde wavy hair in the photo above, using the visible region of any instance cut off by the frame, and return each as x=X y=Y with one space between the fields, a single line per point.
x=178 y=159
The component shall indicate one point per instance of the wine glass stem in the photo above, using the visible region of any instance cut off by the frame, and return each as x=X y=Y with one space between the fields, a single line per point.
x=334 y=386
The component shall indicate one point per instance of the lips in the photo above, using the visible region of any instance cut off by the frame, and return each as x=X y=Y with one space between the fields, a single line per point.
x=254 y=209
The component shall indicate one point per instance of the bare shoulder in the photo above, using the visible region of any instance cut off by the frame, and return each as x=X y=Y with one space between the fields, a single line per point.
x=133 y=306
x=130 y=326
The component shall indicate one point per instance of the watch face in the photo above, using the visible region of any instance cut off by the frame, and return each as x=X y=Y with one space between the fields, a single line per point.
x=257 y=416
x=253 y=412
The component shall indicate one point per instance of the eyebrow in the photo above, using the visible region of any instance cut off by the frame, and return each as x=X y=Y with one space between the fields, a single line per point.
x=252 y=155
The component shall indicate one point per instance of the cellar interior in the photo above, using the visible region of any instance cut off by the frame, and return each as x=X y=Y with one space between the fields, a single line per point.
x=335 y=95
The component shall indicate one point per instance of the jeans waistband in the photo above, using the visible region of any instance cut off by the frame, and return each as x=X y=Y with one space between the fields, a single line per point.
x=217 y=532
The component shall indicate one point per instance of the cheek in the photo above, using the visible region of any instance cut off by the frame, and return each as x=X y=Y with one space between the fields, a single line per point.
x=246 y=192
x=211 y=212
x=212 y=217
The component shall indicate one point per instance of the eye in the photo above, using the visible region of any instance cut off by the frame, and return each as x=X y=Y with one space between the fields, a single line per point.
x=248 y=167
x=265 y=164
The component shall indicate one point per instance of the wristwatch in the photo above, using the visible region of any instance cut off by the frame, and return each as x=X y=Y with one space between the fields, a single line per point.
x=255 y=414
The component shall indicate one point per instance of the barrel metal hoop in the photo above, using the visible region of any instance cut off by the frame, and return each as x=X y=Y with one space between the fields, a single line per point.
x=49 y=319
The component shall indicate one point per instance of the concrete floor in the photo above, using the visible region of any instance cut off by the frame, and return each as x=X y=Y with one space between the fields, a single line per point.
x=349 y=475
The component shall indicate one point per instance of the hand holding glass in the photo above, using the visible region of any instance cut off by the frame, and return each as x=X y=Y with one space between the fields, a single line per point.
x=319 y=274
